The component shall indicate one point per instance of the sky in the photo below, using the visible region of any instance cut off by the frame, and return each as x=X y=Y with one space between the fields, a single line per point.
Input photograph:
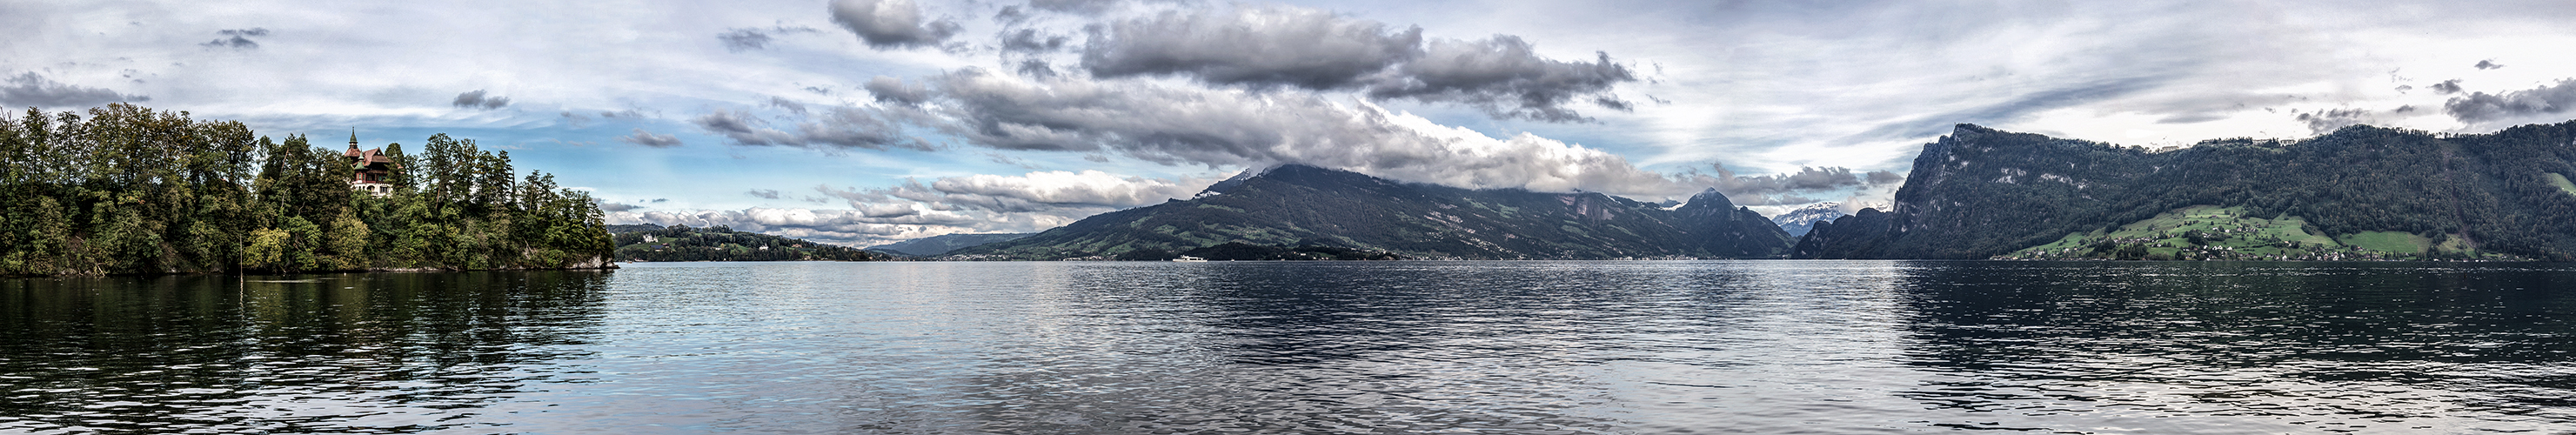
x=863 y=122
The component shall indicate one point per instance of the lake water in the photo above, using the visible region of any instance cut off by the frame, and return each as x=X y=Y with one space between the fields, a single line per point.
x=1766 y=347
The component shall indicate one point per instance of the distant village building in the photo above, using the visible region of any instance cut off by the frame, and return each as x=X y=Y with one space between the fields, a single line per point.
x=373 y=169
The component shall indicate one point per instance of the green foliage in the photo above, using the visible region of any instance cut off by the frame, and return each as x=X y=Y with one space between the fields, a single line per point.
x=1980 y=193
x=682 y=243
x=131 y=190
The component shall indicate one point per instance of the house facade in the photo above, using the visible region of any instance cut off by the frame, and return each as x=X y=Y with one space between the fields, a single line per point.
x=375 y=171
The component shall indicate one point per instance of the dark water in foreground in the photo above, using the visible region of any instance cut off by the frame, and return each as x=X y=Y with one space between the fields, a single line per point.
x=1398 y=347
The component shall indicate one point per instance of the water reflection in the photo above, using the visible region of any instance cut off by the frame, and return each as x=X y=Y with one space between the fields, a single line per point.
x=1379 y=347
x=316 y=353
x=2246 y=347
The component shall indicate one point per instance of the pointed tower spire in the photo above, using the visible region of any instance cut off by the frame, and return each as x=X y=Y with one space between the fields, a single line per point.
x=353 y=136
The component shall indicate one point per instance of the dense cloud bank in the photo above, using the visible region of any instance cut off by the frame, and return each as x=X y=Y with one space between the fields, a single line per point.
x=1274 y=46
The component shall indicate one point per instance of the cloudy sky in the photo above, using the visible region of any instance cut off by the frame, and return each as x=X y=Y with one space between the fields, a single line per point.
x=866 y=121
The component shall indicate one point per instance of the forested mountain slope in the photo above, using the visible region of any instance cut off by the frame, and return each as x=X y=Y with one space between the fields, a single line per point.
x=944 y=243
x=1981 y=193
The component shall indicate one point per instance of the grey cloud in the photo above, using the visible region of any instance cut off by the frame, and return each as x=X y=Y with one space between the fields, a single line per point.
x=1258 y=46
x=659 y=200
x=743 y=39
x=894 y=90
x=236 y=43
x=790 y=105
x=2489 y=64
x=1614 y=103
x=616 y=207
x=30 y=89
x=885 y=24
x=843 y=127
x=1029 y=41
x=2327 y=121
x=856 y=128
x=1504 y=76
x=1036 y=69
x=476 y=99
x=2451 y=86
x=646 y=138
x=1074 y=6
x=1266 y=47
x=1885 y=177
x=237 y=39
x=2543 y=100
x=765 y=193
x=743 y=129
x=738 y=40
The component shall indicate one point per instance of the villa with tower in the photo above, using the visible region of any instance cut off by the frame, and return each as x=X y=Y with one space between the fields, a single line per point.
x=374 y=169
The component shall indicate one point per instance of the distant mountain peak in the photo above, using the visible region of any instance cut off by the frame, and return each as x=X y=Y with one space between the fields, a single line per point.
x=1798 y=221
x=1298 y=205
x=1221 y=187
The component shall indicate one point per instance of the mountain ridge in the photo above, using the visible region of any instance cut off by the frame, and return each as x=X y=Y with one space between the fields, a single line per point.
x=1984 y=193
x=1299 y=205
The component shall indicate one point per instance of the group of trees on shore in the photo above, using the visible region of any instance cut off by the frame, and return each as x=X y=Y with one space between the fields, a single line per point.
x=130 y=190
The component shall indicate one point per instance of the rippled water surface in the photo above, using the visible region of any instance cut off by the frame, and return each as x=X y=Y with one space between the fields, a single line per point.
x=1279 y=347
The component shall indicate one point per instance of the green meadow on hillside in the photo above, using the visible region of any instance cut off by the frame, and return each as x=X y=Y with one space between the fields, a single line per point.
x=2226 y=233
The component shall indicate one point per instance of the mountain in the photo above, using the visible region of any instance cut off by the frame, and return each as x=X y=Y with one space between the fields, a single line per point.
x=1798 y=221
x=650 y=242
x=942 y=244
x=2358 y=193
x=1297 y=205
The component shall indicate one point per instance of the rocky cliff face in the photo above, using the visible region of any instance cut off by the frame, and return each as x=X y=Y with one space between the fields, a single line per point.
x=1980 y=192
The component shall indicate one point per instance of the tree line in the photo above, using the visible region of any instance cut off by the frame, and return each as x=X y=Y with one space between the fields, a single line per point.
x=130 y=190
x=720 y=243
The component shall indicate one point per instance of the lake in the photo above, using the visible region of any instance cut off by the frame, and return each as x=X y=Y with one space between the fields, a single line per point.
x=1768 y=347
